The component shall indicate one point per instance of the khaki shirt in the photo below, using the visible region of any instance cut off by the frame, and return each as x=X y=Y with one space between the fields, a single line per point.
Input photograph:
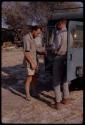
x=30 y=46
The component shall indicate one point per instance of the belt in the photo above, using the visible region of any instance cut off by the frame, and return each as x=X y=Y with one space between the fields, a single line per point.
x=60 y=55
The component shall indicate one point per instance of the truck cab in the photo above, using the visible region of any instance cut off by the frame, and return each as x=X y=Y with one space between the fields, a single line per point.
x=74 y=52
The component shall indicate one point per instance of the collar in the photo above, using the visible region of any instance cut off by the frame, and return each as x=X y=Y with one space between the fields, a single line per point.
x=64 y=28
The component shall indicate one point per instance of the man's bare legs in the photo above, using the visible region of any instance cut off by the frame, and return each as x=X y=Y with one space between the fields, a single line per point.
x=27 y=86
x=30 y=83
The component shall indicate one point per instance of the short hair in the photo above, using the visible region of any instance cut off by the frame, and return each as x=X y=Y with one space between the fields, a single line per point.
x=63 y=20
x=36 y=28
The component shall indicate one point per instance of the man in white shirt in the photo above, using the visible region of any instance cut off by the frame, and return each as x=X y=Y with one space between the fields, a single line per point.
x=59 y=66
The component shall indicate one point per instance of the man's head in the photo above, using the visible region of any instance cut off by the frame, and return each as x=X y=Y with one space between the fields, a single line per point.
x=36 y=31
x=61 y=23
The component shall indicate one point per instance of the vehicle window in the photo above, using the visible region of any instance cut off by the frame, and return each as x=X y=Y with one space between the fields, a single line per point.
x=77 y=33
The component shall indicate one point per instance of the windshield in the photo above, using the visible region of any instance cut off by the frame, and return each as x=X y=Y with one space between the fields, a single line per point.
x=76 y=30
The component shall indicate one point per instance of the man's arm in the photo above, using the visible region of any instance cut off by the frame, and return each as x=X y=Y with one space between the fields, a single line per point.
x=29 y=58
x=27 y=51
x=57 y=44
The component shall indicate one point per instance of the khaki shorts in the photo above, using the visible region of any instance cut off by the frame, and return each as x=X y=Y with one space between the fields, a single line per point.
x=30 y=71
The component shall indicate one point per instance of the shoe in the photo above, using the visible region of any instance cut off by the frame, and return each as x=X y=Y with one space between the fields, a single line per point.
x=66 y=101
x=28 y=98
x=57 y=105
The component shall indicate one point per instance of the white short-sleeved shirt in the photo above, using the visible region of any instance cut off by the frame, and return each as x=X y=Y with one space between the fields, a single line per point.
x=60 y=41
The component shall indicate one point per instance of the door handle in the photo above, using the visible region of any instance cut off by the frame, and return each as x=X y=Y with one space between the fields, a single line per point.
x=70 y=56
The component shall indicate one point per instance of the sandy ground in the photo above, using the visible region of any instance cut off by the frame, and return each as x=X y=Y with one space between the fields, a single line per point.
x=14 y=107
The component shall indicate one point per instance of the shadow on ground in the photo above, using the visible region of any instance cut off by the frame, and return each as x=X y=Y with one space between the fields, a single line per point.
x=13 y=79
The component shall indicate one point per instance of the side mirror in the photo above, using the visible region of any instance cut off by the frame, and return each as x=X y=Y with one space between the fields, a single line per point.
x=79 y=71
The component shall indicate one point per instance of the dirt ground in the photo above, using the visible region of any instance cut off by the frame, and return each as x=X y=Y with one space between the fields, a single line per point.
x=14 y=107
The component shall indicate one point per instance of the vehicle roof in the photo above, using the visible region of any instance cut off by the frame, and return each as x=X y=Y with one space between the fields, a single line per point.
x=68 y=15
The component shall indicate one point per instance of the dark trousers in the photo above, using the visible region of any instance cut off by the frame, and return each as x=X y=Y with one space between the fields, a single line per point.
x=59 y=78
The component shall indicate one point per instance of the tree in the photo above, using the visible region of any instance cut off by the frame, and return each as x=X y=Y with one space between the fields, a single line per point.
x=15 y=13
x=21 y=13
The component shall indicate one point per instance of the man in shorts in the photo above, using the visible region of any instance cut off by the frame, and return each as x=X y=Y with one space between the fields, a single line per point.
x=30 y=51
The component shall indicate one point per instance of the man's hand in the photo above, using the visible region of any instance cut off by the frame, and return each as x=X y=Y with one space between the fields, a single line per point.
x=29 y=58
x=33 y=66
x=41 y=51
